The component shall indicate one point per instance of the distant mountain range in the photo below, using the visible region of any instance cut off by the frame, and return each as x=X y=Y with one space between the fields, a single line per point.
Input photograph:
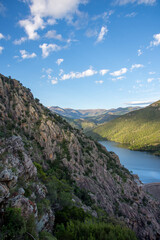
x=90 y=118
x=140 y=129
x=88 y=113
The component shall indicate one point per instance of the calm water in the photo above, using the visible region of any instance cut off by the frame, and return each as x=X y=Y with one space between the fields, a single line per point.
x=145 y=165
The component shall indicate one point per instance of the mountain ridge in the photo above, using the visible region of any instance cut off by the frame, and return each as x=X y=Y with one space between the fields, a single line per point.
x=139 y=129
x=47 y=166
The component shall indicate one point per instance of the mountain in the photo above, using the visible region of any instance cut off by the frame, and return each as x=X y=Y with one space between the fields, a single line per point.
x=88 y=119
x=56 y=183
x=140 y=129
x=90 y=114
x=77 y=114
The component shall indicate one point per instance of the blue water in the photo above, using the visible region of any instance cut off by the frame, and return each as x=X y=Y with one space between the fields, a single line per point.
x=145 y=165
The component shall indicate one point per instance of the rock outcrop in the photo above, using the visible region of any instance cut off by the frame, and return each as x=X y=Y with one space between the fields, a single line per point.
x=32 y=139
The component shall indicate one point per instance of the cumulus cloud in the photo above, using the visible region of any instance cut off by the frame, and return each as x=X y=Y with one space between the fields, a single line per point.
x=59 y=61
x=124 y=2
x=119 y=72
x=139 y=52
x=26 y=55
x=54 y=35
x=1 y=36
x=87 y=73
x=149 y=80
x=99 y=82
x=102 y=33
x=48 y=48
x=31 y=25
x=49 y=11
x=103 y=71
x=156 y=40
x=20 y=41
x=1 y=49
x=134 y=66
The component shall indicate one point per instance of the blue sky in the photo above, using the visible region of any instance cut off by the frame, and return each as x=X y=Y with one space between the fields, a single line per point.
x=83 y=53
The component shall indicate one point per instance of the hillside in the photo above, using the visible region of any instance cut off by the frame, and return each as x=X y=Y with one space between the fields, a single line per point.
x=55 y=183
x=140 y=129
x=88 y=119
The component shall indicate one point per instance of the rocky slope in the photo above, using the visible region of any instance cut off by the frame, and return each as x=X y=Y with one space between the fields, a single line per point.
x=46 y=165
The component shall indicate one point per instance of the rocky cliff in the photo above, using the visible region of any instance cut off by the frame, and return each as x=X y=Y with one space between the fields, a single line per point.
x=46 y=165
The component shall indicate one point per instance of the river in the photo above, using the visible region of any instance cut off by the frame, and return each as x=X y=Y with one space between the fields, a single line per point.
x=145 y=165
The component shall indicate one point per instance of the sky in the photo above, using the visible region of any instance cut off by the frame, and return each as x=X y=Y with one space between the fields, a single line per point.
x=83 y=54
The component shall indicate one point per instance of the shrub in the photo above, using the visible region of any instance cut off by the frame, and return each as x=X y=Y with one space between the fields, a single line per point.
x=14 y=224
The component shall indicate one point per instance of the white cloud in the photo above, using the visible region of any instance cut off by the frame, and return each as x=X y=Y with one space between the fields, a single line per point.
x=54 y=35
x=2 y=9
x=31 y=25
x=49 y=71
x=20 y=41
x=130 y=15
x=156 y=40
x=59 y=61
x=51 y=21
x=118 y=78
x=119 y=72
x=139 y=102
x=103 y=71
x=26 y=55
x=1 y=49
x=61 y=72
x=89 y=72
x=48 y=48
x=54 y=81
x=1 y=36
x=99 y=82
x=49 y=11
x=124 y=2
x=91 y=33
x=149 y=80
x=139 y=52
x=102 y=33
x=134 y=66
x=152 y=73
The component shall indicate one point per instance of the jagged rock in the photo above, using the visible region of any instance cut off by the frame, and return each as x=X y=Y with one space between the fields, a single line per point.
x=21 y=191
x=46 y=222
x=27 y=206
x=40 y=190
x=4 y=192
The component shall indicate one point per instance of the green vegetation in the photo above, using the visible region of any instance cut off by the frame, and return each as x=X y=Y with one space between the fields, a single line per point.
x=140 y=129
x=75 y=224
x=16 y=227
x=89 y=119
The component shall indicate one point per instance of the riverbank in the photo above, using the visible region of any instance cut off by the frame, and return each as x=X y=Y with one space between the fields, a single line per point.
x=144 y=164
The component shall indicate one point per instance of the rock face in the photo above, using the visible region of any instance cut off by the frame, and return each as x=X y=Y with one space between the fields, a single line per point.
x=16 y=170
x=32 y=138
x=153 y=189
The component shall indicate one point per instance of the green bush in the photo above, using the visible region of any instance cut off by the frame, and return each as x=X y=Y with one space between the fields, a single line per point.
x=46 y=236
x=90 y=230
x=16 y=227
x=14 y=224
